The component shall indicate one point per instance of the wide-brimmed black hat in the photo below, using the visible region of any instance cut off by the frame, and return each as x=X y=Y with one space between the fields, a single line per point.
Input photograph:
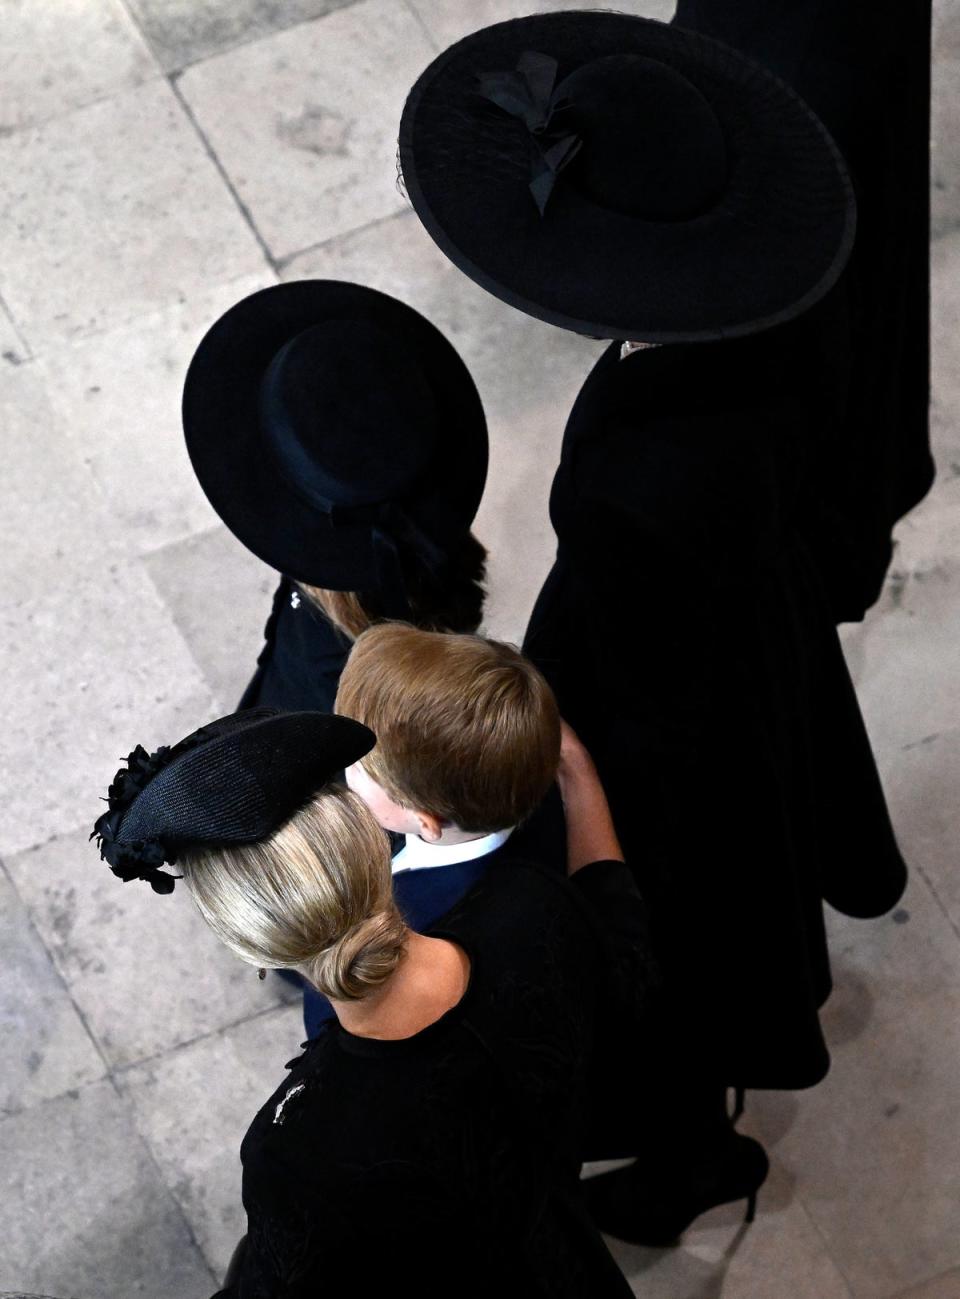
x=626 y=179
x=330 y=425
x=234 y=781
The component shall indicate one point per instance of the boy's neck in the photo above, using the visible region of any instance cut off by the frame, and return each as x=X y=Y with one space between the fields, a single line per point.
x=453 y=834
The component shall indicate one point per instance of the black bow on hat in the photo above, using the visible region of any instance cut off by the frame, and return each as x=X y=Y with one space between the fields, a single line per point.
x=692 y=194
x=529 y=94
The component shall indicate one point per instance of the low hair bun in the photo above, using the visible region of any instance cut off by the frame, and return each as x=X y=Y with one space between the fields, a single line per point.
x=361 y=959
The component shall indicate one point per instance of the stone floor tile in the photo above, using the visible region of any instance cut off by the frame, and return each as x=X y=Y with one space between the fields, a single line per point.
x=882 y=966
x=111 y=212
x=145 y=970
x=83 y=1211
x=57 y=57
x=719 y=1256
x=946 y=1286
x=92 y=667
x=305 y=122
x=875 y=1148
x=527 y=372
x=448 y=20
x=905 y=656
x=922 y=782
x=119 y=395
x=193 y=1107
x=182 y=32
x=55 y=525
x=945 y=324
x=220 y=597
x=47 y=1050
x=946 y=29
x=945 y=148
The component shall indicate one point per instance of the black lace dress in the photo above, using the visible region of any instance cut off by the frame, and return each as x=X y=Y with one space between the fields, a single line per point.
x=447 y=1163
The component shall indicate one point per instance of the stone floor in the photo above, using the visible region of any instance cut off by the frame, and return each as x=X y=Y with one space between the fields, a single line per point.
x=157 y=162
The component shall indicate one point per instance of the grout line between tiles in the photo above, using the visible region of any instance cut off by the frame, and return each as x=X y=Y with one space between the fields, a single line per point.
x=18 y=1111
x=121 y=1070
x=104 y=97
x=216 y=703
x=801 y=1203
x=939 y=901
x=116 y=1080
x=415 y=12
x=912 y=1289
x=150 y=552
x=242 y=208
x=284 y=261
x=13 y=358
x=179 y=69
x=59 y=976
x=155 y=1164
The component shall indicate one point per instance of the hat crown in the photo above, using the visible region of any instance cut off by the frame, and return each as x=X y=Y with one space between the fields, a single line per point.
x=347 y=414
x=653 y=146
x=233 y=781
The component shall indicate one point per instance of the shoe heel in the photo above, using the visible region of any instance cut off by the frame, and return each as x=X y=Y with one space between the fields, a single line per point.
x=751 y=1207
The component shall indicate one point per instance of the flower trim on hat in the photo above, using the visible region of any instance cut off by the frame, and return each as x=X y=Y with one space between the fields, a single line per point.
x=138 y=858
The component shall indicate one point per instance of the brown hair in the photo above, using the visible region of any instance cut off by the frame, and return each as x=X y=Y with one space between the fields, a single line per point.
x=467 y=728
x=316 y=897
x=453 y=604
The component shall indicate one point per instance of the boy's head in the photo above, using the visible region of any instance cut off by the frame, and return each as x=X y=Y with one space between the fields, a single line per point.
x=468 y=731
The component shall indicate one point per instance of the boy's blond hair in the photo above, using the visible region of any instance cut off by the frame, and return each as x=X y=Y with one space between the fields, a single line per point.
x=467 y=728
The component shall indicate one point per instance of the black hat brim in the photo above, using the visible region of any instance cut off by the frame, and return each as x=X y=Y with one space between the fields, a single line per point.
x=239 y=778
x=771 y=246
x=233 y=463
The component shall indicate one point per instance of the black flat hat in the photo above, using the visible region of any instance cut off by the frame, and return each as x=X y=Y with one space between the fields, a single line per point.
x=234 y=781
x=328 y=423
x=624 y=178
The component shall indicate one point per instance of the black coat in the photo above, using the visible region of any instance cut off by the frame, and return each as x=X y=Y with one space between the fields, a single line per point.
x=447 y=1163
x=865 y=70
x=303 y=655
x=689 y=638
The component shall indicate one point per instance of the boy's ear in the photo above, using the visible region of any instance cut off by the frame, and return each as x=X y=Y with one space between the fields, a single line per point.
x=431 y=827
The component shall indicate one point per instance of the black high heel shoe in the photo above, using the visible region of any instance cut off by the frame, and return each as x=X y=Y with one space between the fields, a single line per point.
x=654 y=1207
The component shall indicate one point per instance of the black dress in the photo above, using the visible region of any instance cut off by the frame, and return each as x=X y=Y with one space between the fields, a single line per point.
x=303 y=655
x=447 y=1163
x=865 y=71
x=689 y=638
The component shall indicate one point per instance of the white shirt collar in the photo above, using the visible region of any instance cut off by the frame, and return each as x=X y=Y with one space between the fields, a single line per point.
x=416 y=854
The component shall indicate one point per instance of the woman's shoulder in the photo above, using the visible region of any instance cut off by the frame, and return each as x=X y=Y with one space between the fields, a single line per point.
x=518 y=912
x=293 y=1099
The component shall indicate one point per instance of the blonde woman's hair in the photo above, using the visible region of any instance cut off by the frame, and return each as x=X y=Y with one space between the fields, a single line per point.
x=451 y=602
x=345 y=609
x=315 y=897
x=467 y=728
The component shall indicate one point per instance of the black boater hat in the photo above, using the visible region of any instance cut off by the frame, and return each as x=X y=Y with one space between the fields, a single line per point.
x=234 y=781
x=329 y=424
x=626 y=179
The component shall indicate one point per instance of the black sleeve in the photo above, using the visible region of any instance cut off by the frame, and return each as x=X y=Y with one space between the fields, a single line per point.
x=621 y=920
